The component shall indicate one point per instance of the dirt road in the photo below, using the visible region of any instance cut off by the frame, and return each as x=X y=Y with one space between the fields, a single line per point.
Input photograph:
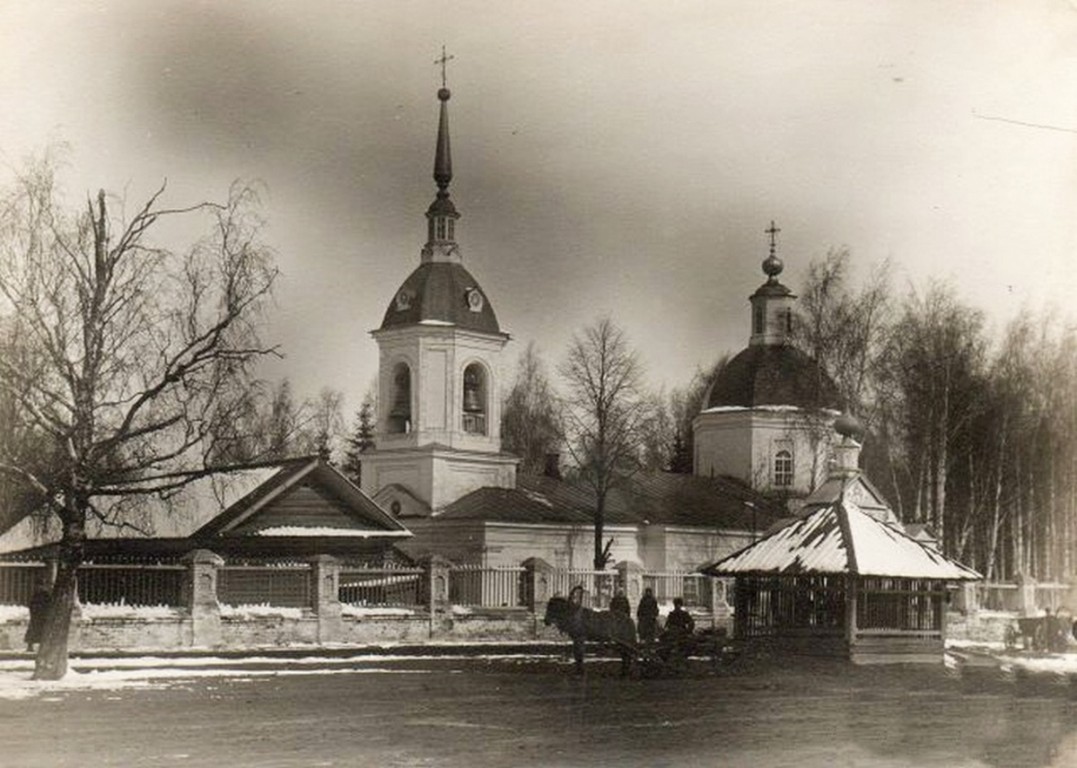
x=479 y=713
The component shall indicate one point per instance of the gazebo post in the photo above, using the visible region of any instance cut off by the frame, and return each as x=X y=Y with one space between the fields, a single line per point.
x=851 y=596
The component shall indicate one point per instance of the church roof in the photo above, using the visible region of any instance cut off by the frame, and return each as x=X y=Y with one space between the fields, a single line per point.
x=647 y=498
x=773 y=374
x=441 y=293
x=840 y=538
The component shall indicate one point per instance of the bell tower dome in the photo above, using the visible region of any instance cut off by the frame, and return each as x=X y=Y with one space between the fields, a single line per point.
x=439 y=381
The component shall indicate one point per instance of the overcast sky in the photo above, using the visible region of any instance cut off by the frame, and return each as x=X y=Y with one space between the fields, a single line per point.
x=608 y=157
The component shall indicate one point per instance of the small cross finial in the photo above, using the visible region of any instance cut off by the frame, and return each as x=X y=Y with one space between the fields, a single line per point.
x=443 y=60
x=773 y=232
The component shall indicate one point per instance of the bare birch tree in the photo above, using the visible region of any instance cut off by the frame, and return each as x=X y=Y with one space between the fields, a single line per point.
x=131 y=354
x=605 y=410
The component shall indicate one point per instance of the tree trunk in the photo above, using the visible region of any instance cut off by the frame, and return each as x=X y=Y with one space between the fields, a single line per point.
x=600 y=524
x=51 y=661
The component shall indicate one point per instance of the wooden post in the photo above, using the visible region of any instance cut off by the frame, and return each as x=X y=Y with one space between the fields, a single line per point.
x=851 y=597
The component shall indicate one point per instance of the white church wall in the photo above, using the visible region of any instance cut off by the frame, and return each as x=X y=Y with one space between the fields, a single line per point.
x=723 y=444
x=743 y=443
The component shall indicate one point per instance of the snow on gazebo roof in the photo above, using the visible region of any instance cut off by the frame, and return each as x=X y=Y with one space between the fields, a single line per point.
x=840 y=538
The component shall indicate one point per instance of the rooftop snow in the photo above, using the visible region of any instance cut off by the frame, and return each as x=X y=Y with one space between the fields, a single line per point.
x=817 y=543
x=300 y=530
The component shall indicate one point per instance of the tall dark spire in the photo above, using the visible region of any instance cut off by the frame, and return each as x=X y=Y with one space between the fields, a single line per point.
x=443 y=153
x=442 y=215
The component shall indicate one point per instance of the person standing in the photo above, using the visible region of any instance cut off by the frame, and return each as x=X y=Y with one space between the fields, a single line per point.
x=619 y=604
x=647 y=617
x=39 y=609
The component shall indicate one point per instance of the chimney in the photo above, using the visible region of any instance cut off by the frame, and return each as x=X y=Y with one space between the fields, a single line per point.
x=553 y=465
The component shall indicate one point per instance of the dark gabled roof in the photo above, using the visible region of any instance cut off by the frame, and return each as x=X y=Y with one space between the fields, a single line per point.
x=658 y=498
x=351 y=509
x=773 y=374
x=437 y=292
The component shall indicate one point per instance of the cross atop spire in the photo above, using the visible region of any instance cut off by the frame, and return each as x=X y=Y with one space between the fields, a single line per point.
x=773 y=232
x=443 y=60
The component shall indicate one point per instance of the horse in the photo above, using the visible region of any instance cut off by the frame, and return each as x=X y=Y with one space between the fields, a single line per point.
x=582 y=624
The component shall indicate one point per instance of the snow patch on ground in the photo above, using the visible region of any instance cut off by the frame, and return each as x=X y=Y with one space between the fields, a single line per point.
x=149 y=672
x=14 y=613
x=360 y=611
x=123 y=611
x=14 y=686
x=260 y=611
x=1058 y=663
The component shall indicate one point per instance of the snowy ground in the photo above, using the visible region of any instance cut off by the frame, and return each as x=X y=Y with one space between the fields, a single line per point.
x=526 y=711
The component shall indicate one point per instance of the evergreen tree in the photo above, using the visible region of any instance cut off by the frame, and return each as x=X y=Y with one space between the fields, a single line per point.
x=361 y=441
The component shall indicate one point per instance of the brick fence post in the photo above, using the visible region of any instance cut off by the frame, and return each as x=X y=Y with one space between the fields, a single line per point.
x=721 y=609
x=202 y=597
x=538 y=581
x=437 y=588
x=325 y=584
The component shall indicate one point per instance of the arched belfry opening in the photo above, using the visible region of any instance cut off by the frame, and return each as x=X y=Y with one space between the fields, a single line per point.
x=474 y=400
x=400 y=410
x=440 y=346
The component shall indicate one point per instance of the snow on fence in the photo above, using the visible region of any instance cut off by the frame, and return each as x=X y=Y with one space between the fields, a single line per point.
x=477 y=586
x=694 y=588
x=281 y=585
x=383 y=587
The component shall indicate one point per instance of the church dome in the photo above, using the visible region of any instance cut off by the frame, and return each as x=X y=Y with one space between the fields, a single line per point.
x=772 y=375
x=441 y=293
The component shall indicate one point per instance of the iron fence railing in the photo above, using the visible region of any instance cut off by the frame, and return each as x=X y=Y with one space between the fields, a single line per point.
x=279 y=585
x=383 y=587
x=487 y=586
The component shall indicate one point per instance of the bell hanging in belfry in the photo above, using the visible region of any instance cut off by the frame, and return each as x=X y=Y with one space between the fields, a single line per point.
x=472 y=392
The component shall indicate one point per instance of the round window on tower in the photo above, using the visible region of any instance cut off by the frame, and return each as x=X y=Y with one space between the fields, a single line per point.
x=474 y=299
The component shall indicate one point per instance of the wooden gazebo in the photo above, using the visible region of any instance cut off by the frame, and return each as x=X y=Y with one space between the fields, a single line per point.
x=838 y=581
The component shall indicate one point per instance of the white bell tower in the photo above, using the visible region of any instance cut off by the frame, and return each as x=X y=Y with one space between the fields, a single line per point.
x=439 y=381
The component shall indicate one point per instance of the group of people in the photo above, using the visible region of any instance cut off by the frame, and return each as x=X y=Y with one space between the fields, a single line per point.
x=679 y=625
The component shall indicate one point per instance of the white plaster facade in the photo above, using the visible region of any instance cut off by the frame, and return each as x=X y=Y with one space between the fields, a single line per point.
x=435 y=457
x=745 y=442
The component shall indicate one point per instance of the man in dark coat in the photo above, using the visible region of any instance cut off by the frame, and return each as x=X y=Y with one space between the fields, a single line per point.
x=647 y=617
x=680 y=623
x=39 y=608
x=619 y=604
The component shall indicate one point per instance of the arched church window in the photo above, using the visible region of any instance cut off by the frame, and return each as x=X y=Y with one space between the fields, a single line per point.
x=783 y=469
x=788 y=321
x=758 y=318
x=474 y=416
x=439 y=228
x=400 y=410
